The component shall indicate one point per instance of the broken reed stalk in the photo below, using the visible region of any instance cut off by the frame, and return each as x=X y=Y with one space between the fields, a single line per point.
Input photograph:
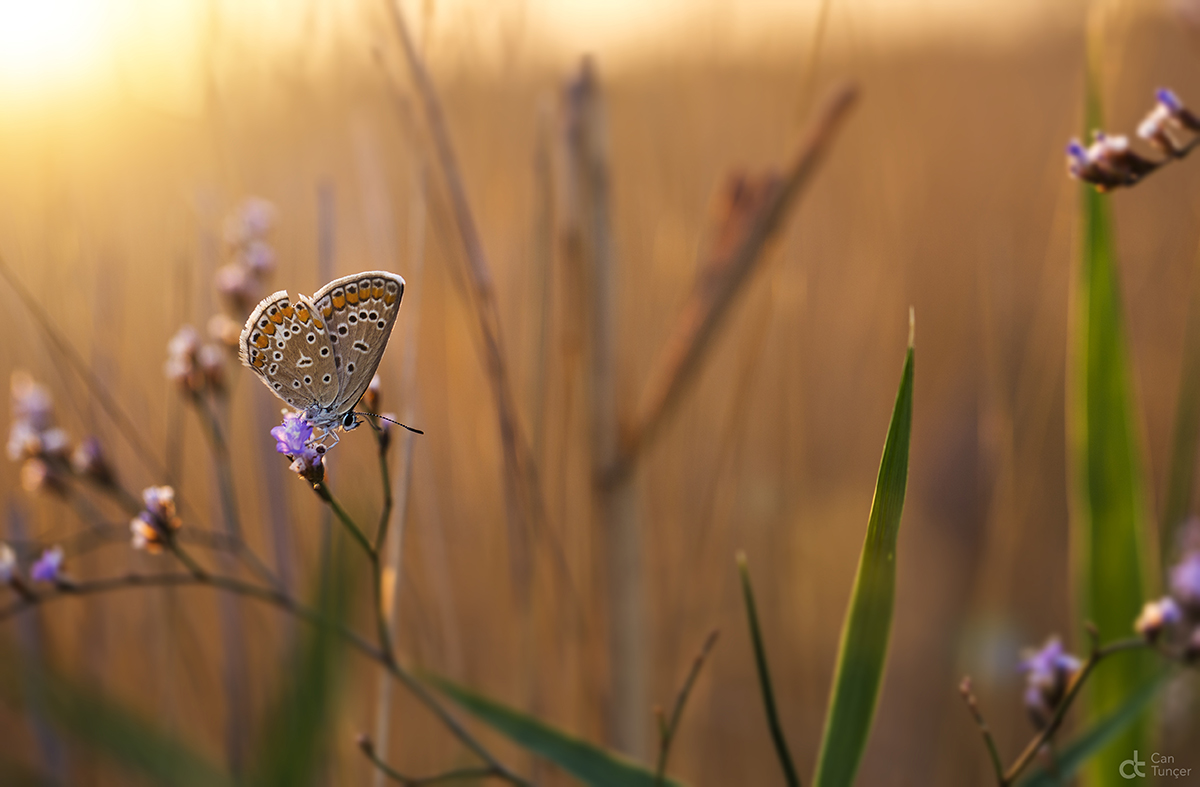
x=751 y=212
x=523 y=501
x=408 y=395
x=589 y=250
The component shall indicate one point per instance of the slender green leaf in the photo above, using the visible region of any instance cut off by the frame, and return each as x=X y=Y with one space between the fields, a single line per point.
x=294 y=738
x=585 y=761
x=868 y=625
x=107 y=727
x=764 y=679
x=1068 y=759
x=1110 y=515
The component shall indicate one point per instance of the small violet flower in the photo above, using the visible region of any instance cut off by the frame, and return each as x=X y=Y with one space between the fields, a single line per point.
x=292 y=439
x=155 y=526
x=293 y=434
x=1048 y=672
x=193 y=366
x=1185 y=582
x=48 y=567
x=1107 y=163
x=1156 y=616
x=250 y=256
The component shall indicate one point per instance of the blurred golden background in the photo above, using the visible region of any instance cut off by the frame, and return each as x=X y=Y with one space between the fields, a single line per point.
x=128 y=131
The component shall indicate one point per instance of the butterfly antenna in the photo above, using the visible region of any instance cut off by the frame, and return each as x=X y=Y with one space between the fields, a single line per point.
x=390 y=421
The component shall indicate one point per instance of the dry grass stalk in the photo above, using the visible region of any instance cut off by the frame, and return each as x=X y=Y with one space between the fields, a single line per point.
x=408 y=395
x=751 y=211
x=523 y=500
x=588 y=243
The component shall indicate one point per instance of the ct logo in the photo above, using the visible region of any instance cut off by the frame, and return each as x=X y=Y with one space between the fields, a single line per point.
x=1136 y=764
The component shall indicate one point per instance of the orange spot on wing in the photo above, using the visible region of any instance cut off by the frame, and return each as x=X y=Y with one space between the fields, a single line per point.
x=351 y=297
x=377 y=291
x=276 y=318
x=302 y=313
x=261 y=341
x=339 y=301
x=269 y=330
x=260 y=362
x=320 y=326
x=287 y=311
x=390 y=298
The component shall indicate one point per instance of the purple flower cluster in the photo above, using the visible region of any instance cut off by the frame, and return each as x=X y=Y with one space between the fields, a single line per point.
x=1173 y=621
x=48 y=567
x=293 y=438
x=155 y=525
x=192 y=365
x=251 y=257
x=1109 y=162
x=1048 y=674
x=43 y=448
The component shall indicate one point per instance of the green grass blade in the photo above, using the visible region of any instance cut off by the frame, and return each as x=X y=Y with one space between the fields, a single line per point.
x=1110 y=516
x=294 y=739
x=107 y=727
x=585 y=761
x=764 y=678
x=865 y=633
x=1068 y=759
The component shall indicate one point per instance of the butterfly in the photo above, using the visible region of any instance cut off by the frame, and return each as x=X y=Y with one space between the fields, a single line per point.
x=319 y=354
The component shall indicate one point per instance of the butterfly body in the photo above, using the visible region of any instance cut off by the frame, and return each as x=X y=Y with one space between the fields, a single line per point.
x=319 y=353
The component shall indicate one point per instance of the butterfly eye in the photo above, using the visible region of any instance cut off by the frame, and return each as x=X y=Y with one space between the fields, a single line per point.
x=349 y=421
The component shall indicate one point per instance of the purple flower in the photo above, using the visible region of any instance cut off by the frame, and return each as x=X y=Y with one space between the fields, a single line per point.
x=48 y=567
x=1047 y=673
x=153 y=527
x=1168 y=100
x=1185 y=581
x=293 y=434
x=1157 y=615
x=292 y=438
x=1107 y=163
x=1044 y=667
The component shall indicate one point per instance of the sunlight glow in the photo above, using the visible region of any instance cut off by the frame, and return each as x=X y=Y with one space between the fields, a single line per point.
x=50 y=43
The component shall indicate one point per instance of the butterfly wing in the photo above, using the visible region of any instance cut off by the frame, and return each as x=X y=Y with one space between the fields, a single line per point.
x=359 y=311
x=288 y=346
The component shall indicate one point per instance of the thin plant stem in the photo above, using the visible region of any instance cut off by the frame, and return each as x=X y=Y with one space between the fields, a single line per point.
x=754 y=212
x=385 y=639
x=225 y=486
x=764 y=679
x=347 y=521
x=964 y=688
x=385 y=514
x=1004 y=778
x=236 y=671
x=286 y=603
x=187 y=560
x=394 y=557
x=525 y=508
x=1098 y=654
x=420 y=781
x=669 y=728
